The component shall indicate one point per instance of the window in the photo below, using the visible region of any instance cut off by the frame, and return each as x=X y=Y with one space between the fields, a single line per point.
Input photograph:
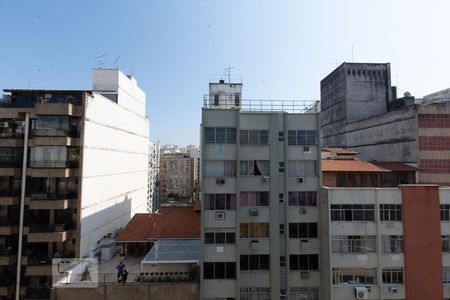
x=302 y=137
x=299 y=168
x=304 y=262
x=254 y=167
x=390 y=212
x=254 y=230
x=446 y=274
x=392 y=275
x=302 y=230
x=304 y=293
x=282 y=261
x=220 y=135
x=352 y=212
x=220 y=168
x=254 y=137
x=302 y=198
x=54 y=156
x=281 y=197
x=219 y=270
x=353 y=276
x=254 y=198
x=255 y=262
x=220 y=238
x=216 y=100
x=445 y=212
x=393 y=243
x=281 y=228
x=353 y=243
x=445 y=243
x=220 y=202
x=255 y=293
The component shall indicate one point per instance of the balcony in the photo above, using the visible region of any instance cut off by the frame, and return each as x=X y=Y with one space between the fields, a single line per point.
x=51 y=200
x=9 y=196
x=48 y=233
x=54 y=163
x=8 y=257
x=8 y=227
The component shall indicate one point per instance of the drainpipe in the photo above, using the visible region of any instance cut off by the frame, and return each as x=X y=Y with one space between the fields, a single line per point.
x=22 y=203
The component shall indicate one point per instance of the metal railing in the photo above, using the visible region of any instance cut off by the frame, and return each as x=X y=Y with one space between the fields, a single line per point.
x=31 y=100
x=53 y=196
x=47 y=228
x=255 y=105
x=54 y=164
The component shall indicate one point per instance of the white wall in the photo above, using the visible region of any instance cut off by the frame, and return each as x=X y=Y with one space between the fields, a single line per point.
x=115 y=161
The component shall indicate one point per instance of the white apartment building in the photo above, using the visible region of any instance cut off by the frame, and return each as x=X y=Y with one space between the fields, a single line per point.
x=385 y=243
x=153 y=177
x=260 y=176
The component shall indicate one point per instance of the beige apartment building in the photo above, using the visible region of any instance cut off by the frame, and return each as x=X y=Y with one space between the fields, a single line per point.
x=176 y=176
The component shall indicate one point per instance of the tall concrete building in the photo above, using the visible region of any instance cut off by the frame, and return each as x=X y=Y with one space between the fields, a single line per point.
x=73 y=169
x=176 y=176
x=259 y=165
x=360 y=112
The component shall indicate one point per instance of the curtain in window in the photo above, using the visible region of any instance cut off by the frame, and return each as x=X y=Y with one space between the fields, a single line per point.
x=214 y=168
x=264 y=229
x=232 y=200
x=244 y=199
x=252 y=199
x=261 y=167
x=230 y=168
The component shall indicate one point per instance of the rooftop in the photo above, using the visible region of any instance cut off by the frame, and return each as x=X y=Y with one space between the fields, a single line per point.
x=395 y=166
x=169 y=223
x=339 y=151
x=350 y=165
x=169 y=251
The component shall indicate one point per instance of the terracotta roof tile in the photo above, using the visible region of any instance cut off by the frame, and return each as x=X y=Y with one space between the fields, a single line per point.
x=170 y=222
x=349 y=165
x=395 y=166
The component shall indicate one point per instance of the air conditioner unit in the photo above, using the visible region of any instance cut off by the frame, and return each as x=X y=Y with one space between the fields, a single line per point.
x=253 y=212
x=302 y=210
x=361 y=292
x=301 y=179
x=220 y=215
x=266 y=179
x=393 y=289
x=220 y=181
x=304 y=244
x=304 y=274
x=307 y=149
x=4 y=124
x=254 y=244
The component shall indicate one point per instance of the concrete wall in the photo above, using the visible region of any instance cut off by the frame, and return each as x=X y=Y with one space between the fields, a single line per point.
x=131 y=291
x=114 y=161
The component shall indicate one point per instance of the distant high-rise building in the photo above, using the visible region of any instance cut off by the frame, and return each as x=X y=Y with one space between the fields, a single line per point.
x=256 y=158
x=176 y=176
x=73 y=169
x=153 y=177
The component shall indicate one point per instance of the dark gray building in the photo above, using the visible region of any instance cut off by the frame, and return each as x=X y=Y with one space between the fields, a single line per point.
x=353 y=92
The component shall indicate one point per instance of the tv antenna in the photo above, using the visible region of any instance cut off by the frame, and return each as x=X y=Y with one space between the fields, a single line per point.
x=227 y=72
x=114 y=64
x=99 y=60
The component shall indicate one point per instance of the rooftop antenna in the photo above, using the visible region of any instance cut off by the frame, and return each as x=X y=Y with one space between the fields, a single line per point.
x=227 y=71
x=114 y=64
x=99 y=60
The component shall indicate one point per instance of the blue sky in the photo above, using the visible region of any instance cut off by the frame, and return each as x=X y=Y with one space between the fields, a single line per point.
x=281 y=49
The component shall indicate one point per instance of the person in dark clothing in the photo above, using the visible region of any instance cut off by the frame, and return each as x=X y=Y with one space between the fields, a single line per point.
x=124 y=276
x=120 y=267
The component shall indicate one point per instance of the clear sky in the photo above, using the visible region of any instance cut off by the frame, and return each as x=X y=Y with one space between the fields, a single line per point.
x=281 y=49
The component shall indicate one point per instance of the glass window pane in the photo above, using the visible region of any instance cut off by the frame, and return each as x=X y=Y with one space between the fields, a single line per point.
x=231 y=135
x=210 y=135
x=253 y=137
x=209 y=237
x=263 y=137
x=292 y=137
x=244 y=262
x=243 y=137
x=220 y=237
x=219 y=270
x=208 y=270
x=230 y=269
x=220 y=135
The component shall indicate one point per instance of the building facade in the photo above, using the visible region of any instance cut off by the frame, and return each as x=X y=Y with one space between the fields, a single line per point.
x=360 y=112
x=153 y=177
x=176 y=176
x=373 y=242
x=66 y=181
x=259 y=164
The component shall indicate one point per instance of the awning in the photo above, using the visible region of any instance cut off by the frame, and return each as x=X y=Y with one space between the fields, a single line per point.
x=173 y=251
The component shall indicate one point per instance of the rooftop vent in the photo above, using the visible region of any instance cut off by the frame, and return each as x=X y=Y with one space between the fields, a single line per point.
x=221 y=81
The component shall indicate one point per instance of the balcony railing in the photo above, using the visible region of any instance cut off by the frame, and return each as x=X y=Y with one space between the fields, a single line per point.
x=9 y=192
x=53 y=196
x=10 y=163
x=31 y=100
x=46 y=228
x=55 y=132
x=54 y=164
x=254 y=105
